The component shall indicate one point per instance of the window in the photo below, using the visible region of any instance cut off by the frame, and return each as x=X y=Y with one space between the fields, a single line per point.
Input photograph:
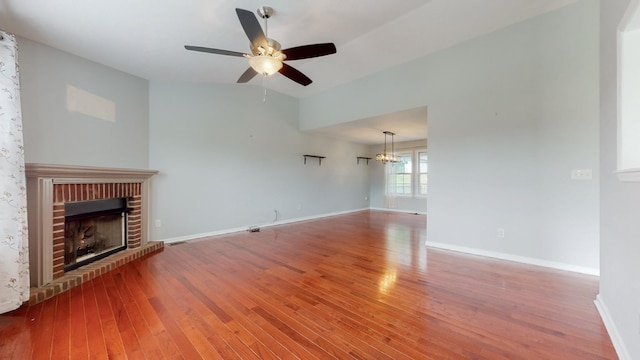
x=403 y=179
x=422 y=173
x=401 y=175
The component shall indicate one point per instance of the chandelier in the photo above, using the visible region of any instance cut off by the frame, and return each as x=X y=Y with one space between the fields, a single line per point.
x=387 y=157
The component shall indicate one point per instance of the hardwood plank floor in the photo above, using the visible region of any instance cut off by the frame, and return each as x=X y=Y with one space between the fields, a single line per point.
x=357 y=286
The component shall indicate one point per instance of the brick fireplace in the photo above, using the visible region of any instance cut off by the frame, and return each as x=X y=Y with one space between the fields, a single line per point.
x=50 y=187
x=69 y=193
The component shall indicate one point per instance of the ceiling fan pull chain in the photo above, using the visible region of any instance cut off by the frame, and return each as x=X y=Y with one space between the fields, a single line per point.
x=264 y=86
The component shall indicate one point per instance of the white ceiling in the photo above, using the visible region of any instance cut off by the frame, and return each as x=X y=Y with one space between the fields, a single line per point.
x=147 y=37
x=408 y=125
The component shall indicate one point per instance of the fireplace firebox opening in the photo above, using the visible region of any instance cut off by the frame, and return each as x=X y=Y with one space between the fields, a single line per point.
x=93 y=230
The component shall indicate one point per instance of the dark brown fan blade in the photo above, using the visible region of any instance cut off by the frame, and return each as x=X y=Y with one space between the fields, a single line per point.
x=214 y=51
x=295 y=75
x=252 y=28
x=247 y=75
x=309 y=51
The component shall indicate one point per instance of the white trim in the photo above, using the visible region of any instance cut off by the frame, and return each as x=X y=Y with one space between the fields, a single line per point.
x=628 y=175
x=35 y=170
x=629 y=15
x=416 y=192
x=201 y=236
x=516 y=258
x=610 y=325
x=630 y=23
x=399 y=211
x=42 y=243
x=80 y=180
x=234 y=230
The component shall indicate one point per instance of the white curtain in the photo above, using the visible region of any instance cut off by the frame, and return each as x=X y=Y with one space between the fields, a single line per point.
x=390 y=187
x=14 y=254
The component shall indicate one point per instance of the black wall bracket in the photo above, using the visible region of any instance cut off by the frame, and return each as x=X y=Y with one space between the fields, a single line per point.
x=358 y=158
x=314 y=156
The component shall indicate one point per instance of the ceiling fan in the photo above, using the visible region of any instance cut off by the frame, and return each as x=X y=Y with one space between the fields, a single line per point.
x=266 y=56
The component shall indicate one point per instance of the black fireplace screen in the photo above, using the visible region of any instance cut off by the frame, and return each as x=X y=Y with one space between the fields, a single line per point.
x=93 y=230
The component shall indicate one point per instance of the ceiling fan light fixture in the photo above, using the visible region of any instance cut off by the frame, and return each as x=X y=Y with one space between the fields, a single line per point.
x=265 y=65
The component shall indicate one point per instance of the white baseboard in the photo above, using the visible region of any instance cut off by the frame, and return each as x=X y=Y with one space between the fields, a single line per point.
x=516 y=258
x=234 y=230
x=179 y=239
x=616 y=339
x=399 y=211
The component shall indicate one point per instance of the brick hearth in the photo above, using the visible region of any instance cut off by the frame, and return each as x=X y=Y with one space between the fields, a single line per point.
x=85 y=273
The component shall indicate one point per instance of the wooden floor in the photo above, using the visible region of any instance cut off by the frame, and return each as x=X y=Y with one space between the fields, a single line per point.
x=358 y=286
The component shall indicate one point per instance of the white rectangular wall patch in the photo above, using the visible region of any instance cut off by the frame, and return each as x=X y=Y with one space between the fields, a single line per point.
x=84 y=102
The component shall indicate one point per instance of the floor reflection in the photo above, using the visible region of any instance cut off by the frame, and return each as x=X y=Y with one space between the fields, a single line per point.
x=405 y=245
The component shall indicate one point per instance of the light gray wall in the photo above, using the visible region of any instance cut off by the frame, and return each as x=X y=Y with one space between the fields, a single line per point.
x=510 y=115
x=620 y=202
x=376 y=180
x=227 y=160
x=54 y=135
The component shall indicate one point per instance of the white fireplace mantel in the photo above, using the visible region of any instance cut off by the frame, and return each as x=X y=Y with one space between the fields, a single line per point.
x=70 y=172
x=40 y=198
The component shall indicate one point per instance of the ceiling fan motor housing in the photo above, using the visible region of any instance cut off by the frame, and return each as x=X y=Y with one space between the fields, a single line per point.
x=273 y=49
x=265 y=12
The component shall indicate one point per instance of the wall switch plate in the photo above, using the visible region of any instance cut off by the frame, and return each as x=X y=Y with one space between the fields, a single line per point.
x=581 y=174
x=158 y=223
x=500 y=232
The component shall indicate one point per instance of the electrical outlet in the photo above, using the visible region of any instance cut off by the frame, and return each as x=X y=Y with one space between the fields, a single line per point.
x=158 y=223
x=500 y=232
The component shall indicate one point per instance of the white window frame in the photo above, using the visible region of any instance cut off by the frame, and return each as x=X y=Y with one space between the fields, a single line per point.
x=417 y=172
x=628 y=168
x=405 y=152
